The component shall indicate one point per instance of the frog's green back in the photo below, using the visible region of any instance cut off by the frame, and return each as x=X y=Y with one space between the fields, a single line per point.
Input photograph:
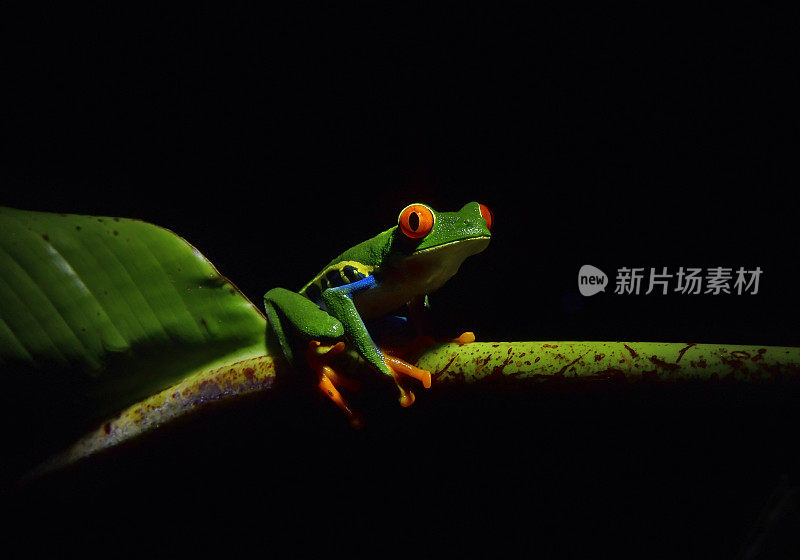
x=366 y=257
x=370 y=252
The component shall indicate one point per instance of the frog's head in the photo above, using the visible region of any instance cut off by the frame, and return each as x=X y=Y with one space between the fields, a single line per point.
x=436 y=243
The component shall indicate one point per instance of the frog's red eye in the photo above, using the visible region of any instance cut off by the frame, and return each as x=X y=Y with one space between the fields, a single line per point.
x=486 y=214
x=415 y=221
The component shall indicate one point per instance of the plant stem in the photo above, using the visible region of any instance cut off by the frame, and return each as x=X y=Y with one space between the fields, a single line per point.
x=452 y=364
x=499 y=361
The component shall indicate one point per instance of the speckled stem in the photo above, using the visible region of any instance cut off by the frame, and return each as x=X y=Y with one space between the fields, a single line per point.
x=462 y=364
x=192 y=394
x=503 y=361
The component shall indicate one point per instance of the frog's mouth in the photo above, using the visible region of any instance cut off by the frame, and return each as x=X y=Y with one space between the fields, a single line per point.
x=473 y=244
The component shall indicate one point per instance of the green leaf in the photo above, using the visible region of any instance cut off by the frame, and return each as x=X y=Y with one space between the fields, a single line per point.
x=98 y=313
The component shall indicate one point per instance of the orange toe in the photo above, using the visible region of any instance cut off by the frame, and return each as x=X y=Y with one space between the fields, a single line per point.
x=467 y=337
x=318 y=357
x=401 y=366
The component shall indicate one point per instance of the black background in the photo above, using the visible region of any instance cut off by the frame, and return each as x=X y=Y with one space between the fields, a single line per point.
x=272 y=139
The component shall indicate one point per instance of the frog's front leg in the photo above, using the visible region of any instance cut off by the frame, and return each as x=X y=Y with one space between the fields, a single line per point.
x=339 y=303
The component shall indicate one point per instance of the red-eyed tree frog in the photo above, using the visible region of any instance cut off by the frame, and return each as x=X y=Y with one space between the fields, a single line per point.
x=385 y=279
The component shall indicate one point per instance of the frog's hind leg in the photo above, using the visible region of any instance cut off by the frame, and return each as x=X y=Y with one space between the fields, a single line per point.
x=302 y=316
x=318 y=357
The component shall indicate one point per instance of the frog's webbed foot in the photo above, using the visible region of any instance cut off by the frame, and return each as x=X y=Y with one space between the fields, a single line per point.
x=318 y=357
x=399 y=367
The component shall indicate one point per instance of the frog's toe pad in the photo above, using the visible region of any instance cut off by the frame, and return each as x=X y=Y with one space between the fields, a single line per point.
x=316 y=349
x=407 y=398
x=467 y=337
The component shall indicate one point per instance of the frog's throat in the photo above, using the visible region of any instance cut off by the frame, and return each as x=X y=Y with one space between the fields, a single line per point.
x=429 y=269
x=420 y=273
